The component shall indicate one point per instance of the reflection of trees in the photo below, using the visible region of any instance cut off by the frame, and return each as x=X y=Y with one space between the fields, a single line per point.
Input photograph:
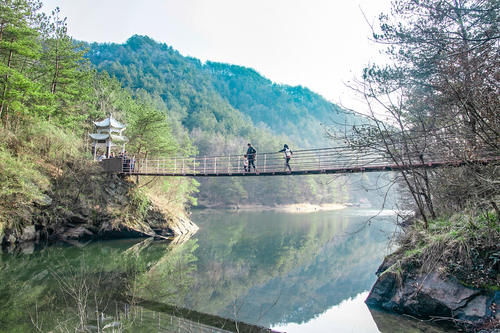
x=66 y=287
x=303 y=263
x=264 y=268
x=170 y=278
x=49 y=286
x=339 y=270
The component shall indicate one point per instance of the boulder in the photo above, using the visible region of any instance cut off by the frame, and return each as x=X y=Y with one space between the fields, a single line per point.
x=77 y=219
x=11 y=239
x=477 y=308
x=76 y=233
x=27 y=248
x=181 y=226
x=440 y=295
x=44 y=201
x=28 y=234
x=432 y=295
x=383 y=291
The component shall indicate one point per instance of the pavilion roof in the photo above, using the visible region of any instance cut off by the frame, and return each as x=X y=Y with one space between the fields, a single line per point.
x=109 y=122
x=105 y=136
x=96 y=136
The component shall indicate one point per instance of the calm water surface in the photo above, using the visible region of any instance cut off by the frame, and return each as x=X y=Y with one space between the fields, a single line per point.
x=291 y=272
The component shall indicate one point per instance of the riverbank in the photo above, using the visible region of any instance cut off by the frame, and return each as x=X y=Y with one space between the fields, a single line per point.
x=447 y=272
x=294 y=208
x=107 y=207
x=52 y=190
x=298 y=208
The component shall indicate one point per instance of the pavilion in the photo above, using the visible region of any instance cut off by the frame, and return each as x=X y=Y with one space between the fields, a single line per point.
x=109 y=134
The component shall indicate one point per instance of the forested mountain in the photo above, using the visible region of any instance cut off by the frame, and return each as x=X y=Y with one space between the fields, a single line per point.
x=161 y=71
x=225 y=106
x=217 y=97
x=296 y=111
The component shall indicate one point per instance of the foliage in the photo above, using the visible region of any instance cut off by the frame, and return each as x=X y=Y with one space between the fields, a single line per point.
x=139 y=202
x=148 y=130
x=178 y=268
x=161 y=71
x=219 y=105
x=295 y=111
x=439 y=97
x=463 y=244
x=21 y=185
x=49 y=99
x=19 y=45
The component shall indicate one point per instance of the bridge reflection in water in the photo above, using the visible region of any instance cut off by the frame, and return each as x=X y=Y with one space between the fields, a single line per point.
x=167 y=318
x=334 y=160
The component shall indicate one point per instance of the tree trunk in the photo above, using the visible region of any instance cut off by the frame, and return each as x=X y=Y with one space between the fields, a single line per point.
x=4 y=90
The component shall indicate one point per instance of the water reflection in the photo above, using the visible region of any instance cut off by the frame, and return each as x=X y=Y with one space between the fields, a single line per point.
x=393 y=323
x=64 y=288
x=273 y=268
x=351 y=315
x=288 y=271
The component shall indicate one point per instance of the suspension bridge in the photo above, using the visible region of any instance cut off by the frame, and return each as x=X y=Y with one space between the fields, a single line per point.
x=334 y=160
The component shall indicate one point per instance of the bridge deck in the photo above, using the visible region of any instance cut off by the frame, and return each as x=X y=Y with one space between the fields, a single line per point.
x=373 y=168
x=337 y=160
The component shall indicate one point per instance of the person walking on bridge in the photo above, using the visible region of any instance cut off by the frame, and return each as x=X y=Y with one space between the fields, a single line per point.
x=245 y=163
x=288 y=155
x=251 y=152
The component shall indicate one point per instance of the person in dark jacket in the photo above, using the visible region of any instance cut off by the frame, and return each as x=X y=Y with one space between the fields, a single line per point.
x=288 y=155
x=251 y=152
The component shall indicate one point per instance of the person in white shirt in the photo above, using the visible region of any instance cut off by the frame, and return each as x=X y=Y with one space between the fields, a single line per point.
x=288 y=155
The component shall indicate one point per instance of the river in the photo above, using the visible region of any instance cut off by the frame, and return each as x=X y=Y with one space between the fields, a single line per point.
x=291 y=272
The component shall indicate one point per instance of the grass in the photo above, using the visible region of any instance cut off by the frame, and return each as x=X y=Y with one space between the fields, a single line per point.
x=465 y=245
x=42 y=161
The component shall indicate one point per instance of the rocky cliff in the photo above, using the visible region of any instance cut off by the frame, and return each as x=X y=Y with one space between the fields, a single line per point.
x=404 y=288
x=107 y=206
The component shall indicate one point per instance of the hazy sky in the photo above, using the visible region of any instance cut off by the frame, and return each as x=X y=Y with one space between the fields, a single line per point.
x=320 y=44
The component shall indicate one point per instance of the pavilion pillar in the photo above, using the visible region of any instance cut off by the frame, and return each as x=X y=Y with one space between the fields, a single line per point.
x=94 y=150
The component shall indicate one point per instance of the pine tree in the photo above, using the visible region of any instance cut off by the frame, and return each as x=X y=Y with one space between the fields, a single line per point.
x=66 y=73
x=19 y=52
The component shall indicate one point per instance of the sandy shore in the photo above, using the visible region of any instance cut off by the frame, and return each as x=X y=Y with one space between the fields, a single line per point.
x=294 y=208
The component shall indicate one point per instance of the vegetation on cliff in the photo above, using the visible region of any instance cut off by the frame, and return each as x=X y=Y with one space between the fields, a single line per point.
x=49 y=98
x=466 y=245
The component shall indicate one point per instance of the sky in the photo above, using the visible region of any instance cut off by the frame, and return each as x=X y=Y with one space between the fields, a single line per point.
x=351 y=315
x=319 y=44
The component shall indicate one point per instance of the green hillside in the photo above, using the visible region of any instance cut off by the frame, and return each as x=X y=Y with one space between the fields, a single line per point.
x=225 y=106
x=296 y=111
x=50 y=95
x=217 y=97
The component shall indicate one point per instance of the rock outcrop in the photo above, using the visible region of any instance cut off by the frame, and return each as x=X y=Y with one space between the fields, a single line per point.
x=109 y=214
x=433 y=294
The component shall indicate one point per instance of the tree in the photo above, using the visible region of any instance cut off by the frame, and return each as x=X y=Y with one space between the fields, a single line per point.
x=148 y=130
x=440 y=97
x=65 y=73
x=19 y=51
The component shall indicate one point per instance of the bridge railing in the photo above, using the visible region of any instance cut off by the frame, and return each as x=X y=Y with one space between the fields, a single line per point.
x=273 y=162
x=408 y=154
x=302 y=160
